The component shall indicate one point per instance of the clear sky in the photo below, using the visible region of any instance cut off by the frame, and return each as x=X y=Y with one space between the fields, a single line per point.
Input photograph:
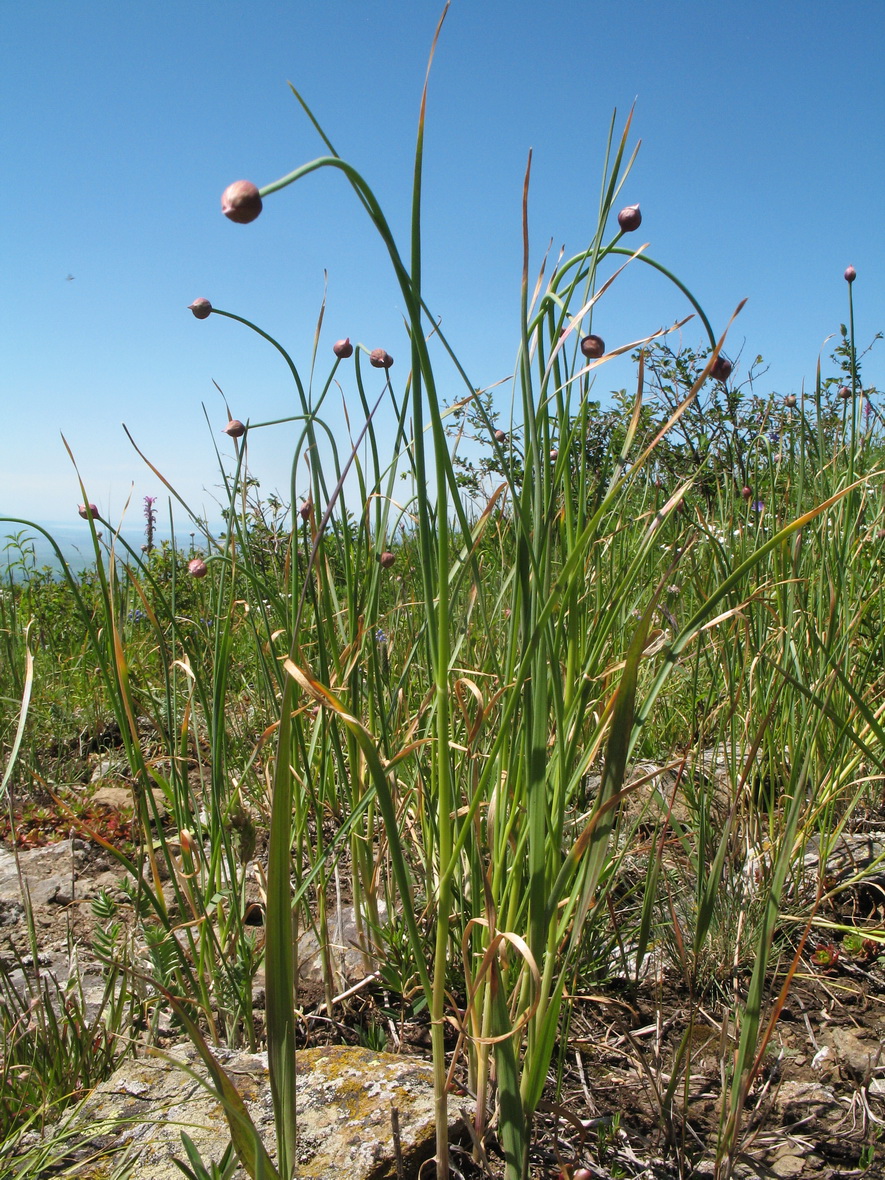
x=761 y=174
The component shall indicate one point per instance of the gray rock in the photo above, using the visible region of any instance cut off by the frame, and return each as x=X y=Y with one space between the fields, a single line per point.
x=347 y=959
x=796 y=1102
x=856 y=1056
x=49 y=872
x=344 y=1097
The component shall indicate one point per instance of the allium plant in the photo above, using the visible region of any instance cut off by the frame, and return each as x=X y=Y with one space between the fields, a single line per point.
x=489 y=775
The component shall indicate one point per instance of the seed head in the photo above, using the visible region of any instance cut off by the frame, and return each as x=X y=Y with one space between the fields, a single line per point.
x=197 y=568
x=630 y=218
x=379 y=359
x=500 y=436
x=790 y=401
x=850 y=274
x=387 y=559
x=241 y=202
x=235 y=428
x=343 y=348
x=721 y=370
x=87 y=511
x=593 y=347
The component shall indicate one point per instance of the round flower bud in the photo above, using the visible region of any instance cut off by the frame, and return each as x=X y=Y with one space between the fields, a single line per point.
x=87 y=511
x=844 y=393
x=201 y=308
x=790 y=401
x=343 y=348
x=234 y=428
x=630 y=218
x=554 y=455
x=379 y=359
x=722 y=367
x=305 y=510
x=850 y=274
x=197 y=568
x=241 y=202
x=593 y=347
x=387 y=559
x=746 y=492
x=500 y=436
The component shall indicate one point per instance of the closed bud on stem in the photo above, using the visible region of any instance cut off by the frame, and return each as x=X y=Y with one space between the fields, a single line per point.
x=235 y=428
x=343 y=348
x=746 y=492
x=186 y=840
x=790 y=401
x=844 y=393
x=630 y=219
x=387 y=559
x=593 y=347
x=379 y=359
x=88 y=511
x=241 y=202
x=554 y=455
x=201 y=308
x=850 y=274
x=197 y=568
x=721 y=370
x=305 y=510
x=500 y=436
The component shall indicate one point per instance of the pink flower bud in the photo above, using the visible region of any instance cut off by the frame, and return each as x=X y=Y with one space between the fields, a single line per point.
x=850 y=274
x=343 y=348
x=500 y=436
x=722 y=367
x=201 y=308
x=593 y=347
x=630 y=218
x=197 y=568
x=379 y=359
x=305 y=510
x=790 y=401
x=241 y=202
x=87 y=511
x=747 y=493
x=234 y=428
x=554 y=455
x=844 y=393
x=387 y=559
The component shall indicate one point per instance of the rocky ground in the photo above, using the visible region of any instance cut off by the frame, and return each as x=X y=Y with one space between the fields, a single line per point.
x=641 y=1070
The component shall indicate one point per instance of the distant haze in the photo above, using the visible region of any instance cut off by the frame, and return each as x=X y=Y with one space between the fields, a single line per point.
x=22 y=545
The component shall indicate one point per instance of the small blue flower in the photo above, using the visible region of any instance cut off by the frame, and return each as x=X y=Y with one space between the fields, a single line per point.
x=774 y=436
x=380 y=636
x=758 y=505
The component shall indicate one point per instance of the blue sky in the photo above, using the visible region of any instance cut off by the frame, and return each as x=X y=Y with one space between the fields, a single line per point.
x=760 y=175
